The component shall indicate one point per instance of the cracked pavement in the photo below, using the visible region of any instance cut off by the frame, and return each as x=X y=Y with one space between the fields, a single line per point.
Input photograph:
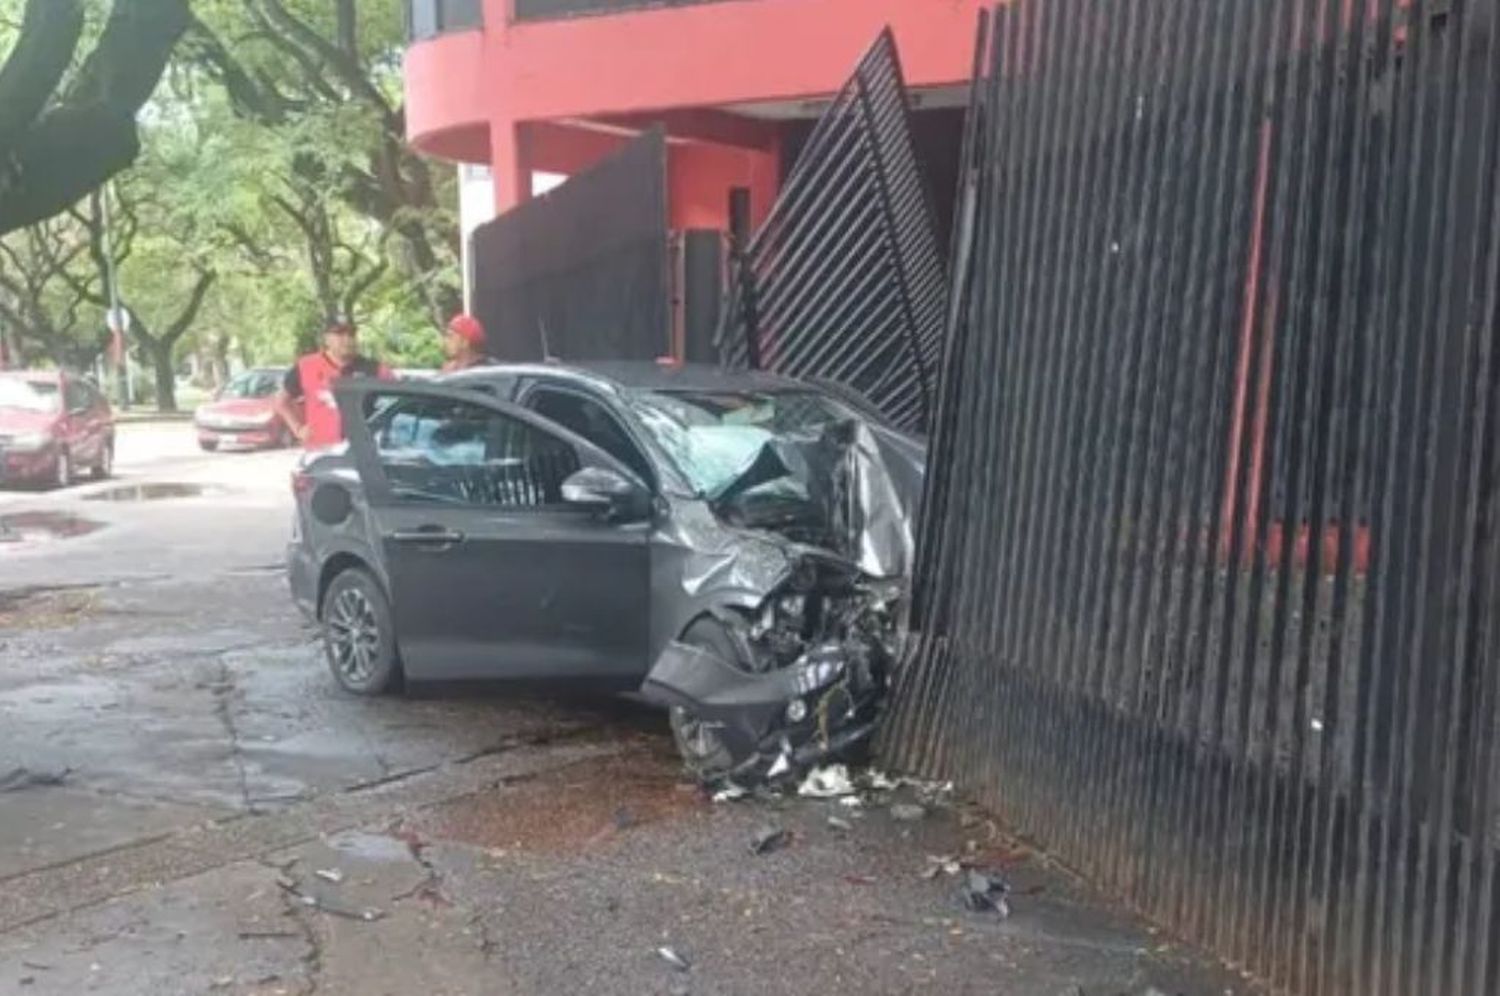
x=227 y=821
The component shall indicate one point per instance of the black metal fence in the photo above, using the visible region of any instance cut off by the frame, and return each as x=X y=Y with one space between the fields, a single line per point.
x=845 y=280
x=580 y=273
x=1210 y=581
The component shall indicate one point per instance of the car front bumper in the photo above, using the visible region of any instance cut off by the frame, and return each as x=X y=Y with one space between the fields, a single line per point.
x=839 y=688
x=257 y=438
x=27 y=466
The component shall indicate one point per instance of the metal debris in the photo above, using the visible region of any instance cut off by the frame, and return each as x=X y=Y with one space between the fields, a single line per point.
x=831 y=782
x=768 y=839
x=674 y=959
x=17 y=779
x=985 y=893
x=907 y=812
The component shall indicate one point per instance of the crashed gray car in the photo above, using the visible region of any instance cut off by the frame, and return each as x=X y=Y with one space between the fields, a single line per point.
x=733 y=546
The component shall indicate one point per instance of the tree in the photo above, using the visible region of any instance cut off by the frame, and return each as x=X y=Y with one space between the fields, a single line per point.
x=46 y=295
x=68 y=119
x=317 y=66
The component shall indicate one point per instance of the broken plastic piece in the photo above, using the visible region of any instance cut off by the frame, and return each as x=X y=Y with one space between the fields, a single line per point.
x=839 y=823
x=907 y=812
x=985 y=893
x=729 y=793
x=831 y=782
x=768 y=839
x=674 y=959
x=330 y=875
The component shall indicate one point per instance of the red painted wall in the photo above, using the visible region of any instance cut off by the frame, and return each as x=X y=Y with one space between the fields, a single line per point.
x=472 y=91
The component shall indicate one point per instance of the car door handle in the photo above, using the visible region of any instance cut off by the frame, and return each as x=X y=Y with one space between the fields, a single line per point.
x=434 y=536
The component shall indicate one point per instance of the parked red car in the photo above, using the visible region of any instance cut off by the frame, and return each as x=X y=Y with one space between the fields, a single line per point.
x=53 y=425
x=241 y=415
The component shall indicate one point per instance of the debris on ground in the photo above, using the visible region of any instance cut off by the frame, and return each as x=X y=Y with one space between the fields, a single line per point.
x=674 y=959
x=17 y=779
x=840 y=824
x=325 y=905
x=907 y=812
x=768 y=839
x=983 y=892
x=941 y=864
x=831 y=782
x=330 y=875
x=729 y=793
x=861 y=879
x=879 y=781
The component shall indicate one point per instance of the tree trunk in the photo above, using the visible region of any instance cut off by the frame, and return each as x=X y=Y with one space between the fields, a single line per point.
x=166 y=376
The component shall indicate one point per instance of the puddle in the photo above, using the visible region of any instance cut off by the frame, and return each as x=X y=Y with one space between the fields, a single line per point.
x=27 y=527
x=576 y=808
x=153 y=492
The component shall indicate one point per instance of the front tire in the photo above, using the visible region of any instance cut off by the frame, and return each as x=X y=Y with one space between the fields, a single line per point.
x=704 y=753
x=106 y=464
x=62 y=470
x=359 y=634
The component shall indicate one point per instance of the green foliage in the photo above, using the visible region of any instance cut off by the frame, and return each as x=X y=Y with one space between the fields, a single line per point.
x=272 y=171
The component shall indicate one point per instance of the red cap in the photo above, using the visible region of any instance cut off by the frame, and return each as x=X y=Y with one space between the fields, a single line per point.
x=469 y=328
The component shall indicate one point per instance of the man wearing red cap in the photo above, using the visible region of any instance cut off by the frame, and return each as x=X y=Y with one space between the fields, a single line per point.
x=464 y=344
x=310 y=382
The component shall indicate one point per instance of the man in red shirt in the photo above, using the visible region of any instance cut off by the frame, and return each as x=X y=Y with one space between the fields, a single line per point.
x=464 y=344
x=310 y=381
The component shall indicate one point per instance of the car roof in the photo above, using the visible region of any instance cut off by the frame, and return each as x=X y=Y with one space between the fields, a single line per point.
x=638 y=375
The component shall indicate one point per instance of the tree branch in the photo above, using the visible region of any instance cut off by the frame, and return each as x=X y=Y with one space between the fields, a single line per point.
x=37 y=62
x=189 y=313
x=90 y=134
x=344 y=63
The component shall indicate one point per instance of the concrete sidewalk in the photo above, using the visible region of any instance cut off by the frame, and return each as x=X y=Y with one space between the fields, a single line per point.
x=563 y=870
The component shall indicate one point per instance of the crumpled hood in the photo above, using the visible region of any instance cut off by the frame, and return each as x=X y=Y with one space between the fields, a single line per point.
x=865 y=481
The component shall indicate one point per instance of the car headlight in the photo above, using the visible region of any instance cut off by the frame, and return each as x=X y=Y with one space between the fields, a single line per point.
x=28 y=442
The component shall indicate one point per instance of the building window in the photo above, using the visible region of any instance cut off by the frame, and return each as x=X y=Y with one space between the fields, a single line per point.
x=546 y=10
x=428 y=18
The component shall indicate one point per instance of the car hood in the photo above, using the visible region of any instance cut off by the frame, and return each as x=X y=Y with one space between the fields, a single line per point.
x=16 y=420
x=237 y=408
x=858 y=486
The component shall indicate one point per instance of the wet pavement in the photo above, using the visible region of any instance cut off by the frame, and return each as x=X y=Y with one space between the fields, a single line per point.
x=189 y=805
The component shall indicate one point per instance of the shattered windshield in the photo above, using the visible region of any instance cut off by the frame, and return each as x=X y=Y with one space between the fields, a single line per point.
x=714 y=436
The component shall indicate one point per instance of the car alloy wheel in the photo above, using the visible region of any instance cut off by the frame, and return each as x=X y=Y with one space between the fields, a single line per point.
x=357 y=634
x=353 y=636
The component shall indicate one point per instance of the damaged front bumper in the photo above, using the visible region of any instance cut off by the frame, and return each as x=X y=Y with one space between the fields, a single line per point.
x=776 y=723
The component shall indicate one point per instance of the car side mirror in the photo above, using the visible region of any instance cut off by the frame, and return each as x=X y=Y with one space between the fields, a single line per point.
x=604 y=490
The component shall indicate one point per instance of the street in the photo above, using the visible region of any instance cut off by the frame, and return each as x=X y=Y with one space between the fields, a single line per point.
x=188 y=804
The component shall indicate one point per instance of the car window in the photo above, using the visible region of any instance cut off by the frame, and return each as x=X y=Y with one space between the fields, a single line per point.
x=592 y=420
x=434 y=449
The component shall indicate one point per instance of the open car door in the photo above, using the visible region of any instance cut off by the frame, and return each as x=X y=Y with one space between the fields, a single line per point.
x=512 y=548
